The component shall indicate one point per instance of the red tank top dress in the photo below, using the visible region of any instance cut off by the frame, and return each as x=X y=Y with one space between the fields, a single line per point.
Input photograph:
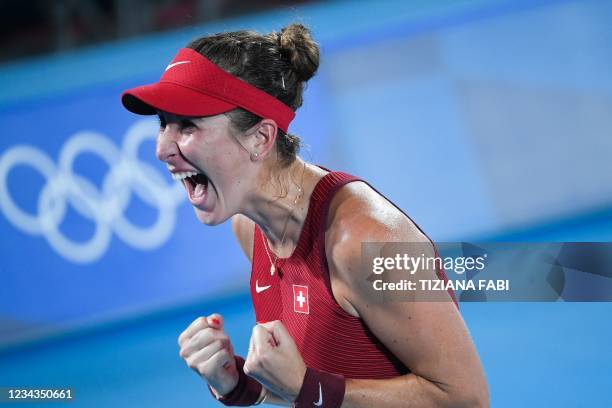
x=299 y=294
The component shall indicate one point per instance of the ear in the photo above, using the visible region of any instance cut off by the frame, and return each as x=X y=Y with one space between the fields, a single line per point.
x=261 y=139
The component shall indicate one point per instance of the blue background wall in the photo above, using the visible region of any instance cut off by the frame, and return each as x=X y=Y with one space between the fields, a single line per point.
x=493 y=118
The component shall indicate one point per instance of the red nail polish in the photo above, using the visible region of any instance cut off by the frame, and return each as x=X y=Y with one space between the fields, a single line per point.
x=216 y=321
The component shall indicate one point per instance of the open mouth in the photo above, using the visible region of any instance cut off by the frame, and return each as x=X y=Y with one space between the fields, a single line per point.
x=196 y=185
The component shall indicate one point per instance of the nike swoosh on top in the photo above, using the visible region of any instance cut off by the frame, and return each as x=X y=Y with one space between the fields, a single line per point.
x=260 y=289
x=174 y=64
x=320 y=401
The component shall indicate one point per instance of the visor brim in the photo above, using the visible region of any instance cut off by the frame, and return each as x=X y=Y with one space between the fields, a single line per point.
x=172 y=98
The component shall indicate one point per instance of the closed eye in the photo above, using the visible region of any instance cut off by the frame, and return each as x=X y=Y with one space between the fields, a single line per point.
x=188 y=125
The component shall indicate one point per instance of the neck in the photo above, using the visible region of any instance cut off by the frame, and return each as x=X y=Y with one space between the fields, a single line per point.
x=280 y=204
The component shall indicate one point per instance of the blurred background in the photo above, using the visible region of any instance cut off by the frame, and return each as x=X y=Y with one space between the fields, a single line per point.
x=485 y=120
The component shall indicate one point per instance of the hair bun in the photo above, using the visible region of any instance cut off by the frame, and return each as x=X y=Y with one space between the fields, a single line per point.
x=297 y=45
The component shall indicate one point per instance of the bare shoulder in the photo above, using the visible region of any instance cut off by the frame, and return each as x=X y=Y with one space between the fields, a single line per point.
x=359 y=214
x=243 y=229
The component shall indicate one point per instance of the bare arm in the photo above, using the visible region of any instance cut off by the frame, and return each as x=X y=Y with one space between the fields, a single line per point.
x=430 y=338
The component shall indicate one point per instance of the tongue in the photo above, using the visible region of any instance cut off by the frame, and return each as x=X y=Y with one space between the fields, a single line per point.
x=199 y=190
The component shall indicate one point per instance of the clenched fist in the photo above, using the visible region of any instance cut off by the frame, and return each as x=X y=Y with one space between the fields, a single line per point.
x=275 y=361
x=206 y=348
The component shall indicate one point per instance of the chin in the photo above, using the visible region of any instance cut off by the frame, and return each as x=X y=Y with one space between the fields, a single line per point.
x=209 y=218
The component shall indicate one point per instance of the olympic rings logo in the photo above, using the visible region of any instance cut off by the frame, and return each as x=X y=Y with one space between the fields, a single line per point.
x=105 y=206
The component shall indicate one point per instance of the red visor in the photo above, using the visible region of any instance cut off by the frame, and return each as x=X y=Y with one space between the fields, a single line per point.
x=194 y=86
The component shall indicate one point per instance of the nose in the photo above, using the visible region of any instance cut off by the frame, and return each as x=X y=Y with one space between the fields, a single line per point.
x=167 y=148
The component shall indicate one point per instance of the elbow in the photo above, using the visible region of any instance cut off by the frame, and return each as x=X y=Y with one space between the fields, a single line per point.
x=472 y=397
x=464 y=394
x=476 y=400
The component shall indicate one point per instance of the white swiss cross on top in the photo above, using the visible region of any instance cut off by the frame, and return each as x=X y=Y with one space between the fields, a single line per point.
x=300 y=299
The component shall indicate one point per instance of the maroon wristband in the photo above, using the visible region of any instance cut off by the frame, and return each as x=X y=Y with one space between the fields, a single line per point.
x=246 y=392
x=321 y=389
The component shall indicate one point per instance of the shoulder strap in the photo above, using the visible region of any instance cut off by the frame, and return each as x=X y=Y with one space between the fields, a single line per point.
x=330 y=184
x=324 y=192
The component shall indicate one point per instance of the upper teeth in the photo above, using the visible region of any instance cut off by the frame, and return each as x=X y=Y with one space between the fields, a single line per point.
x=181 y=176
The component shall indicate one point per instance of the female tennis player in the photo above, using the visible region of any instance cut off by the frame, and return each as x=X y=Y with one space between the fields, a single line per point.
x=322 y=336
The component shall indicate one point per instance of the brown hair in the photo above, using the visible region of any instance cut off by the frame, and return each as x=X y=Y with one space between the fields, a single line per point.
x=278 y=63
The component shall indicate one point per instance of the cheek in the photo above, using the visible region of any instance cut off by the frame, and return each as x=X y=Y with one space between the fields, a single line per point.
x=228 y=157
x=226 y=165
x=202 y=151
x=192 y=148
x=217 y=155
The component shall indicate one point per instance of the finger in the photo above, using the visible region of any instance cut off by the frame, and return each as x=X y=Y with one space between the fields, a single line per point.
x=215 y=320
x=278 y=331
x=200 y=356
x=269 y=325
x=221 y=358
x=262 y=339
x=200 y=340
x=195 y=326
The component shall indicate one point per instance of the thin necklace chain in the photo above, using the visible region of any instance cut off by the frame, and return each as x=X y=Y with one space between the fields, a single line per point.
x=295 y=201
